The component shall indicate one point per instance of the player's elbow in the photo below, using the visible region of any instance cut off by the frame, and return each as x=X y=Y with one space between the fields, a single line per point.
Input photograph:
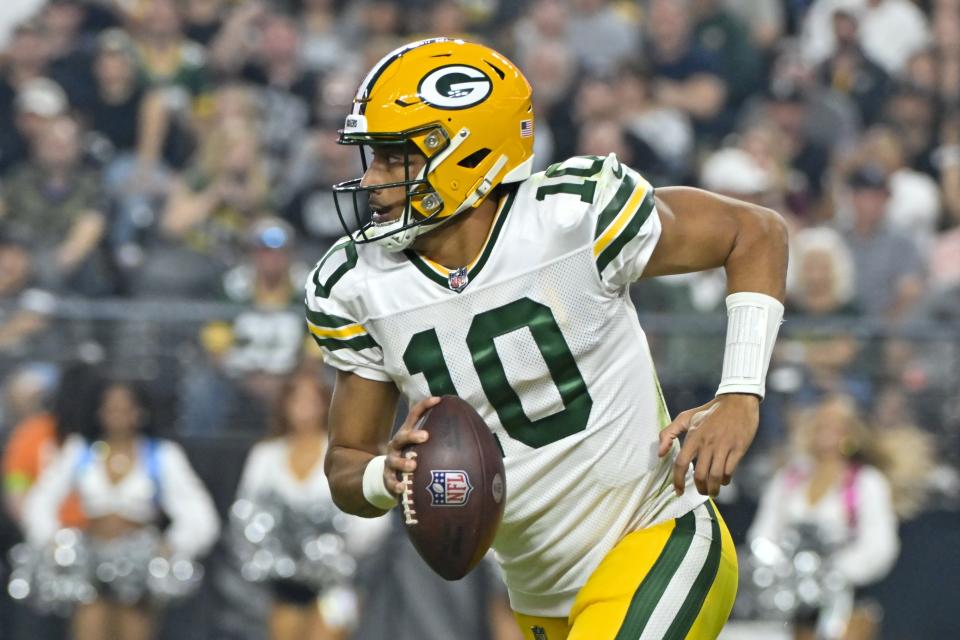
x=763 y=231
x=771 y=226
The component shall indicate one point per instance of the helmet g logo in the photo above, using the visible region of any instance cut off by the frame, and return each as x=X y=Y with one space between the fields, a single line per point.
x=455 y=86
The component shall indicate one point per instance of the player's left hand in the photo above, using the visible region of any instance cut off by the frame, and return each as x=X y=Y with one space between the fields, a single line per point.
x=718 y=434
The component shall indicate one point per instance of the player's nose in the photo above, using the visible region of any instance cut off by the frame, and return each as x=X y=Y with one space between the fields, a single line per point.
x=374 y=175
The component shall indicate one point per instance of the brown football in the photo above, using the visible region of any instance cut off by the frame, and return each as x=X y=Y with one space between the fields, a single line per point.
x=454 y=500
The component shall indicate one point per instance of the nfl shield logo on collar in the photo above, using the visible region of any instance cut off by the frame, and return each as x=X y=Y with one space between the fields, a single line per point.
x=458 y=279
x=539 y=633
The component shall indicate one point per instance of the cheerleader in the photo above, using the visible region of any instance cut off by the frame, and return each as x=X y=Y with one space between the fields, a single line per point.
x=838 y=489
x=128 y=483
x=287 y=468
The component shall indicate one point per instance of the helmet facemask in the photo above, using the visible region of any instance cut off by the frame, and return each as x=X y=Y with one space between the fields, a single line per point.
x=423 y=205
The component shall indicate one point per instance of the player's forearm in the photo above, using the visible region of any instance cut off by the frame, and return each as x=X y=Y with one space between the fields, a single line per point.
x=344 y=467
x=758 y=259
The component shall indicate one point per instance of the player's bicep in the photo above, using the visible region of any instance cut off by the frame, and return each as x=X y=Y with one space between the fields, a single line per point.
x=362 y=413
x=698 y=231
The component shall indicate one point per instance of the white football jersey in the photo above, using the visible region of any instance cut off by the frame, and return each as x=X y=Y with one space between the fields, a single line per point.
x=539 y=335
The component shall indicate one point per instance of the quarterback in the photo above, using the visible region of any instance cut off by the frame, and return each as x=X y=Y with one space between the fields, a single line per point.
x=471 y=275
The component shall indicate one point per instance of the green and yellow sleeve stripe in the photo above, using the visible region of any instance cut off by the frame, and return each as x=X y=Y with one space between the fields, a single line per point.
x=334 y=332
x=621 y=220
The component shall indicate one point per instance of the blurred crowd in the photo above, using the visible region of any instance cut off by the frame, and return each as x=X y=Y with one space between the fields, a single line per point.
x=184 y=149
x=163 y=155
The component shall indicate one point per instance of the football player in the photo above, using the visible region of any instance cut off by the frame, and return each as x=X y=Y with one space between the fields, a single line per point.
x=471 y=275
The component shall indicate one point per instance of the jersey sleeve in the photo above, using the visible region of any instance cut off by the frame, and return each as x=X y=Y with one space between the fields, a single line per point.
x=333 y=319
x=626 y=224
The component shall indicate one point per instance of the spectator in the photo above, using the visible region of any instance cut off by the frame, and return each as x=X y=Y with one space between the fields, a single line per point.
x=207 y=213
x=765 y=20
x=166 y=58
x=687 y=77
x=450 y=19
x=602 y=37
x=287 y=469
x=202 y=20
x=320 y=163
x=663 y=134
x=69 y=55
x=24 y=311
x=736 y=173
x=125 y=478
x=885 y=287
x=131 y=124
x=26 y=394
x=268 y=335
x=795 y=164
x=56 y=204
x=553 y=68
x=944 y=260
x=210 y=401
x=914 y=205
x=603 y=137
x=25 y=105
x=372 y=20
x=912 y=112
x=849 y=71
x=822 y=286
x=724 y=35
x=946 y=161
x=545 y=22
x=323 y=45
x=287 y=90
x=27 y=56
x=38 y=438
x=836 y=487
x=923 y=70
x=14 y=15
x=946 y=27
x=929 y=370
x=891 y=30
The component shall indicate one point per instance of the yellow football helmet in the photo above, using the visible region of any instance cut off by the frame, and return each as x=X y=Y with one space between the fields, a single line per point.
x=465 y=107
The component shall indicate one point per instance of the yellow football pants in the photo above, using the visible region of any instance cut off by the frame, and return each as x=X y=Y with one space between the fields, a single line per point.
x=671 y=581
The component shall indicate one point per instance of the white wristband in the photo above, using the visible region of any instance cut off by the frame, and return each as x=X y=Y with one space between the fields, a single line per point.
x=374 y=490
x=753 y=320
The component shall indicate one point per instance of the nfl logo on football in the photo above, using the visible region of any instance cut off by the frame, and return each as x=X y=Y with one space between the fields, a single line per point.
x=449 y=488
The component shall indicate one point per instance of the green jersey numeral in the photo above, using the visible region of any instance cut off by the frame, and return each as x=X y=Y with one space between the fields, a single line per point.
x=586 y=189
x=424 y=355
x=322 y=289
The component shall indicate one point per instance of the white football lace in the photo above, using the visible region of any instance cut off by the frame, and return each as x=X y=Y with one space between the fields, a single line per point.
x=409 y=513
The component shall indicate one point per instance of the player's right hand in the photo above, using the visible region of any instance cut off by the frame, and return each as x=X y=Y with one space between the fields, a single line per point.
x=405 y=435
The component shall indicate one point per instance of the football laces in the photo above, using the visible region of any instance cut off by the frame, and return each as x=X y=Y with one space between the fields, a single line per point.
x=409 y=513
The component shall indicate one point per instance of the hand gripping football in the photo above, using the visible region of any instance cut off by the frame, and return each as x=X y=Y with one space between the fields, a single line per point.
x=453 y=502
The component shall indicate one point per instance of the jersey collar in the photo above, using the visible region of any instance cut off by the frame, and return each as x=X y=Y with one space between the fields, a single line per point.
x=458 y=279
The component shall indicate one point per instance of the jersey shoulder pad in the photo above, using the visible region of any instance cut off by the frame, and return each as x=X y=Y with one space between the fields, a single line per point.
x=335 y=312
x=610 y=205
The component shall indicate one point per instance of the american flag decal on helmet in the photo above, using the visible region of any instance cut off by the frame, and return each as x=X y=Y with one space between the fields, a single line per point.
x=526 y=128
